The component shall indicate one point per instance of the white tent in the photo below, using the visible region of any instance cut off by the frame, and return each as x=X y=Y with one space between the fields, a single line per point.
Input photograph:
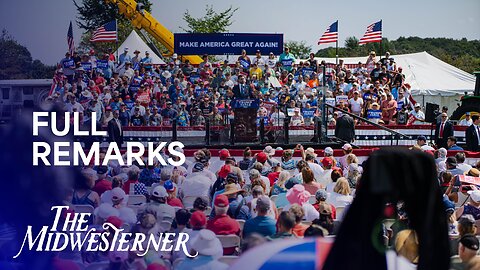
x=432 y=80
x=135 y=42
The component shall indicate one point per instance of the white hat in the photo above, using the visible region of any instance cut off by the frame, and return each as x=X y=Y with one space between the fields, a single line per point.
x=269 y=150
x=328 y=151
x=166 y=74
x=165 y=212
x=311 y=151
x=206 y=243
x=118 y=194
x=346 y=146
x=126 y=49
x=174 y=56
x=474 y=195
x=417 y=105
x=106 y=210
x=159 y=192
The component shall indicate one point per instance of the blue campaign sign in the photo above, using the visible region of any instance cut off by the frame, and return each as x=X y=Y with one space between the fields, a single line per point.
x=102 y=64
x=227 y=43
x=374 y=114
x=308 y=113
x=245 y=103
x=87 y=66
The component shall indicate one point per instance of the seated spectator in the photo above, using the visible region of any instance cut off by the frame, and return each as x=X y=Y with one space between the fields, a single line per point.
x=209 y=250
x=286 y=223
x=221 y=223
x=102 y=184
x=172 y=199
x=335 y=175
x=298 y=195
x=315 y=231
x=341 y=193
x=461 y=162
x=82 y=193
x=472 y=207
x=257 y=191
x=138 y=188
x=262 y=223
x=468 y=248
x=321 y=198
x=326 y=177
x=279 y=186
x=309 y=181
x=465 y=225
x=238 y=208
x=299 y=228
x=196 y=184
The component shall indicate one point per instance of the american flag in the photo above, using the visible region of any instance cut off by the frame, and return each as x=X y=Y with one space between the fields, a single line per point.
x=331 y=35
x=71 y=44
x=373 y=33
x=105 y=33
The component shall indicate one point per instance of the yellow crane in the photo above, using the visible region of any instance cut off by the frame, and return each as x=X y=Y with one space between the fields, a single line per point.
x=142 y=19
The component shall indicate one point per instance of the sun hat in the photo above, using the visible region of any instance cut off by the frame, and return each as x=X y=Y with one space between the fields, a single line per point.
x=297 y=194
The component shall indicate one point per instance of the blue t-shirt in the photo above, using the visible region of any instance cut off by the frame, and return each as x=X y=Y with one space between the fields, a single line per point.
x=263 y=225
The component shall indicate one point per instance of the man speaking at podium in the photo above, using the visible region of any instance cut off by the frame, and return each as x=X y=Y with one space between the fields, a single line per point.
x=242 y=90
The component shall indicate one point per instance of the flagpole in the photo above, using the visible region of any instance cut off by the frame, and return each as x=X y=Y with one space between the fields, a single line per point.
x=116 y=40
x=336 y=48
x=381 y=39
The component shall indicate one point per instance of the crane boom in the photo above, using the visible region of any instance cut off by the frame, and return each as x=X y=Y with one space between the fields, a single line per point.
x=144 y=20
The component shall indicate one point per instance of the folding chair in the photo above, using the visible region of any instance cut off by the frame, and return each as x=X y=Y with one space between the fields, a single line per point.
x=273 y=198
x=136 y=200
x=228 y=259
x=241 y=222
x=83 y=208
x=229 y=241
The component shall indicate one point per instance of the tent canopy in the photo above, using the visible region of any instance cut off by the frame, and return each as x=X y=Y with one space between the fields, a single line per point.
x=135 y=42
x=426 y=74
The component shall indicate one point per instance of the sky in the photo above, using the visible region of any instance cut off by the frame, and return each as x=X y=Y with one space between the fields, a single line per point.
x=42 y=26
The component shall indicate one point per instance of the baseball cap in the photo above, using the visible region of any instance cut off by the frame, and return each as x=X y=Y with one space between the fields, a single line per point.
x=118 y=194
x=115 y=221
x=417 y=105
x=474 y=195
x=198 y=219
x=224 y=171
x=321 y=195
x=262 y=157
x=325 y=209
x=169 y=186
x=263 y=203
x=328 y=150
x=159 y=192
x=102 y=169
x=223 y=154
x=470 y=241
x=221 y=201
x=327 y=161
x=466 y=220
x=198 y=167
x=452 y=161
x=421 y=138
x=347 y=146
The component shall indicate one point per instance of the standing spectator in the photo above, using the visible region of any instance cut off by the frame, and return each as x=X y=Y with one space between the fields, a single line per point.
x=467 y=121
x=452 y=144
x=443 y=130
x=287 y=59
x=389 y=109
x=262 y=223
x=356 y=103
x=115 y=131
x=472 y=134
x=417 y=117
x=345 y=128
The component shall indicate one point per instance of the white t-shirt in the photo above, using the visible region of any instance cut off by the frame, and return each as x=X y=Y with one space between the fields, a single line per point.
x=356 y=105
x=339 y=200
x=277 y=118
x=310 y=212
x=317 y=170
x=465 y=122
x=419 y=115
x=326 y=178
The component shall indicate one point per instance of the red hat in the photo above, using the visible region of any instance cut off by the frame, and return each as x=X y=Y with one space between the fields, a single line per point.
x=198 y=219
x=223 y=154
x=108 y=108
x=115 y=221
x=327 y=161
x=262 y=157
x=221 y=201
x=127 y=96
x=224 y=171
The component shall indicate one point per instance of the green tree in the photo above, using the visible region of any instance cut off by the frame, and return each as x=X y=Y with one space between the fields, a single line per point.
x=17 y=61
x=299 y=48
x=351 y=43
x=211 y=22
x=94 y=13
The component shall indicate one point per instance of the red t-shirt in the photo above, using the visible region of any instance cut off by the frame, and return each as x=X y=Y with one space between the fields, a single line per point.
x=334 y=211
x=175 y=202
x=273 y=176
x=299 y=229
x=224 y=225
x=126 y=186
x=101 y=186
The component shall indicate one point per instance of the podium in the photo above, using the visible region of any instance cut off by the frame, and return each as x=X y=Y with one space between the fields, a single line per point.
x=245 y=119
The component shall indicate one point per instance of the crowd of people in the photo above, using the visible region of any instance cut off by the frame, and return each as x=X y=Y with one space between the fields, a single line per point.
x=258 y=198
x=155 y=95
